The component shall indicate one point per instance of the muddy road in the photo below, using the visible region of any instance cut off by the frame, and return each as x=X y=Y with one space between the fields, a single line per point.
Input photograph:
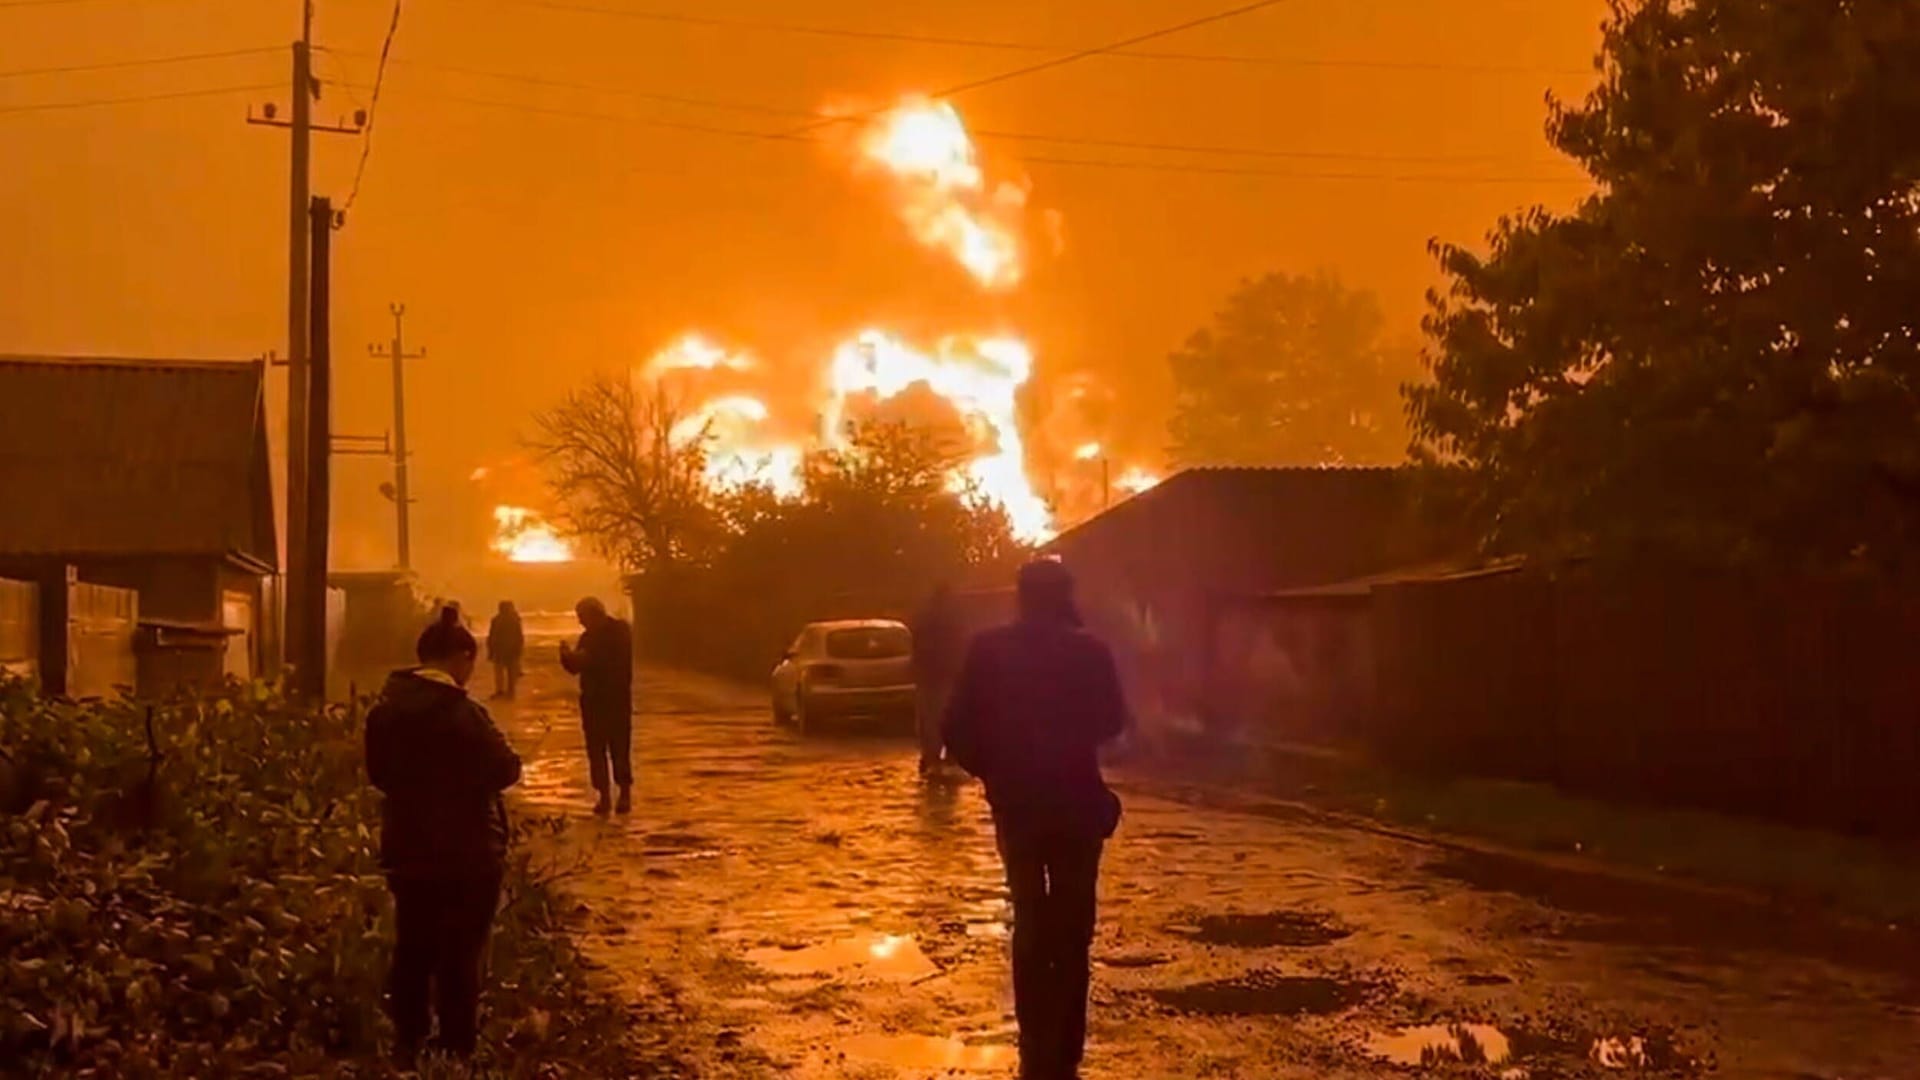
x=826 y=915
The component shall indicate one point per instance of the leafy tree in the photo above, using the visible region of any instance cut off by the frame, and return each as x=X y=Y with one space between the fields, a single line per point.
x=878 y=526
x=1292 y=372
x=625 y=479
x=1716 y=357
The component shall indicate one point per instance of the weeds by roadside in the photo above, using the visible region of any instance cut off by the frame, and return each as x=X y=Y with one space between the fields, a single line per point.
x=191 y=889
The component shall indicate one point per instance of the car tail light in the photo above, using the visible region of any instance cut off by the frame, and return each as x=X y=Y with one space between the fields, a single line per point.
x=825 y=673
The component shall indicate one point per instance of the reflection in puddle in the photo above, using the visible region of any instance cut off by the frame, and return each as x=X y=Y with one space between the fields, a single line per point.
x=891 y=957
x=1484 y=1044
x=1439 y=1044
x=927 y=1052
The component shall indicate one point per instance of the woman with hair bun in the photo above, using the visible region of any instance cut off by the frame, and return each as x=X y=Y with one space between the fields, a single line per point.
x=442 y=765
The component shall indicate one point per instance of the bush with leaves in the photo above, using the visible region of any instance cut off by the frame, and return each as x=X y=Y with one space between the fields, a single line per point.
x=192 y=889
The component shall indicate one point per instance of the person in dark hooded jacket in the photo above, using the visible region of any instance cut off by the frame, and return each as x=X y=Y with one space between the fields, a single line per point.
x=437 y=757
x=1034 y=702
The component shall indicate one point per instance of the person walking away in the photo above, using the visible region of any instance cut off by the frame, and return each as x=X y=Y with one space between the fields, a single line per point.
x=1034 y=702
x=604 y=661
x=506 y=641
x=937 y=647
x=442 y=765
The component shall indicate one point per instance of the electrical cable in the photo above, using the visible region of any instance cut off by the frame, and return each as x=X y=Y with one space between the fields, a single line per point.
x=373 y=106
x=111 y=65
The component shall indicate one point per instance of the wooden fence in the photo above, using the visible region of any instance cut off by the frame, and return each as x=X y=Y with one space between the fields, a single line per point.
x=1797 y=700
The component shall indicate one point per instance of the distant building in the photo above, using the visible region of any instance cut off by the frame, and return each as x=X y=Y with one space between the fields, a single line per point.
x=152 y=476
x=1162 y=573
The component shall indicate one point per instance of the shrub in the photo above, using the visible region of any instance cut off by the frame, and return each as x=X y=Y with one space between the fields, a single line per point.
x=192 y=889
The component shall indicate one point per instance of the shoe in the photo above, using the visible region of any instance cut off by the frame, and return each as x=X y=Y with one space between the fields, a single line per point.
x=601 y=807
x=625 y=805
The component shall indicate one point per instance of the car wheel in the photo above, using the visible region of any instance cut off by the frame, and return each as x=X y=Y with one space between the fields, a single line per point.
x=781 y=717
x=802 y=720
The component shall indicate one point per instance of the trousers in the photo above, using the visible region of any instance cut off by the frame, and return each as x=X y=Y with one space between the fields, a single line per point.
x=440 y=941
x=1053 y=881
x=609 y=745
x=930 y=711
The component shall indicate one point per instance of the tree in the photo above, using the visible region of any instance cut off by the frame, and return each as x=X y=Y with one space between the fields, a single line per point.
x=1716 y=357
x=624 y=481
x=1292 y=372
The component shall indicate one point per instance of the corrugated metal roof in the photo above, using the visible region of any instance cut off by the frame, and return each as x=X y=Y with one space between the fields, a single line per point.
x=107 y=456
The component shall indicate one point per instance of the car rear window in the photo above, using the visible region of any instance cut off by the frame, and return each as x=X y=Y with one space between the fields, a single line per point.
x=869 y=643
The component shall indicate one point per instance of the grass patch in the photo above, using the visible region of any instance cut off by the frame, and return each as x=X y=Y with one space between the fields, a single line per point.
x=1852 y=875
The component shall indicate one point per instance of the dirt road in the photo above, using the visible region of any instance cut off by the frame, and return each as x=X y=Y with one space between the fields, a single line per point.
x=828 y=915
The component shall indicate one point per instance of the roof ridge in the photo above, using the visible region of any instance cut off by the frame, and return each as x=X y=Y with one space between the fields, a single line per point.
x=130 y=363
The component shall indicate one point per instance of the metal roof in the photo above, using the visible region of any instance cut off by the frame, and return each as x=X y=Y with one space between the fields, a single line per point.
x=112 y=457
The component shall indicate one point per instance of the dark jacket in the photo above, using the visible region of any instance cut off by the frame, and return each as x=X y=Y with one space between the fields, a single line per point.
x=939 y=643
x=442 y=764
x=604 y=662
x=1034 y=702
x=505 y=639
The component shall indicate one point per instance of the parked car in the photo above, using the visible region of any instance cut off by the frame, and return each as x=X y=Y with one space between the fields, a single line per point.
x=845 y=669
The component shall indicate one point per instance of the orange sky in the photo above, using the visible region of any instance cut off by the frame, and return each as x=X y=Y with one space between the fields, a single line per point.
x=532 y=248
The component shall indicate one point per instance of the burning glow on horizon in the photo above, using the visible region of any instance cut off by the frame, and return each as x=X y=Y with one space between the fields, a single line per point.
x=1086 y=451
x=946 y=200
x=981 y=379
x=1136 y=480
x=736 y=454
x=523 y=536
x=479 y=473
x=691 y=352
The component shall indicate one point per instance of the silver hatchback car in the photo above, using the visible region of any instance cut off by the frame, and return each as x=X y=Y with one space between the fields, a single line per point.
x=845 y=669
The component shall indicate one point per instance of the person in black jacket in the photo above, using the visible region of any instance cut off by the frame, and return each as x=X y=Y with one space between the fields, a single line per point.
x=442 y=765
x=506 y=641
x=1034 y=702
x=938 y=641
x=604 y=662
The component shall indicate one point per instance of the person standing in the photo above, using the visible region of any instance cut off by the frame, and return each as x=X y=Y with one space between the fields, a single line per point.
x=1034 y=702
x=937 y=647
x=442 y=765
x=506 y=641
x=604 y=662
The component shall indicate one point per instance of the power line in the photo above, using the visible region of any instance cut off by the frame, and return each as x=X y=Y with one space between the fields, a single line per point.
x=1231 y=151
x=1003 y=45
x=112 y=65
x=134 y=99
x=1209 y=170
x=1054 y=62
x=643 y=95
x=1082 y=54
x=1147 y=166
x=980 y=133
x=373 y=106
x=641 y=121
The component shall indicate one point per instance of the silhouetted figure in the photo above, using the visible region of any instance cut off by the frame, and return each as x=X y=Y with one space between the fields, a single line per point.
x=442 y=764
x=604 y=661
x=939 y=644
x=506 y=642
x=1034 y=702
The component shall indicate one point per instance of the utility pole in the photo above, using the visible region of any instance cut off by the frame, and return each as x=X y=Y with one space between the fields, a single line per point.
x=311 y=588
x=301 y=128
x=401 y=499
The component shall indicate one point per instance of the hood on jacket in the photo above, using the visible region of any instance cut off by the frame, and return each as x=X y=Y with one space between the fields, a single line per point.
x=409 y=692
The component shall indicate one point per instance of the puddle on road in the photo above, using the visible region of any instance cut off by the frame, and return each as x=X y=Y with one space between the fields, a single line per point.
x=1266 y=930
x=1484 y=1044
x=929 y=1052
x=1264 y=992
x=1443 y=1044
x=888 y=957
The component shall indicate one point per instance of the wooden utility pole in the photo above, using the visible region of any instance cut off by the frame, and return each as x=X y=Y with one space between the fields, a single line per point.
x=312 y=586
x=402 y=498
x=300 y=128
